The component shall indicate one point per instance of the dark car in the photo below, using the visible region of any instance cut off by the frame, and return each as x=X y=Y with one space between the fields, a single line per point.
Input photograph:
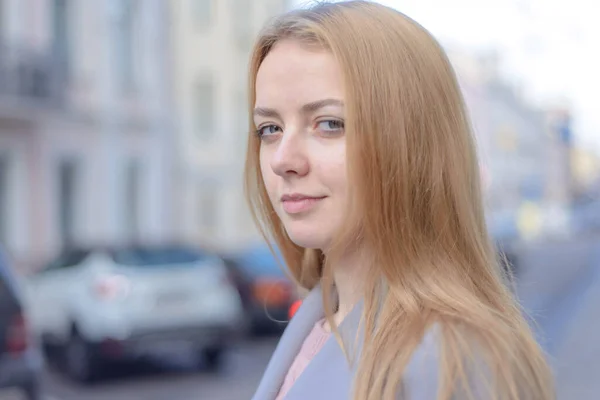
x=266 y=292
x=21 y=361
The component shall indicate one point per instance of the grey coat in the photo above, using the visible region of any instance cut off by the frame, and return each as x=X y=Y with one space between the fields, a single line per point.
x=329 y=375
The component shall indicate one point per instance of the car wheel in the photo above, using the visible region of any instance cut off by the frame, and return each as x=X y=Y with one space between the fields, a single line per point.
x=33 y=391
x=213 y=357
x=80 y=363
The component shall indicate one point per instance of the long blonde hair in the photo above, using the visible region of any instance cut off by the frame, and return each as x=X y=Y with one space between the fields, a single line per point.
x=415 y=204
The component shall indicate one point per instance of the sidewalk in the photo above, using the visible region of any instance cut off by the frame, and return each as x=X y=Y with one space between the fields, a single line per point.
x=559 y=288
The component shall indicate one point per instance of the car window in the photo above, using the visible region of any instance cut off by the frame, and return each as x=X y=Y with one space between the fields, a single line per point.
x=4 y=291
x=261 y=262
x=67 y=260
x=7 y=291
x=140 y=257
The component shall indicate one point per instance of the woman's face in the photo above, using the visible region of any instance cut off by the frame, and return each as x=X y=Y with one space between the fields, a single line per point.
x=299 y=115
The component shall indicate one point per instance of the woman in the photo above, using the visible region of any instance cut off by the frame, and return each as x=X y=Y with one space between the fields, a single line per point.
x=361 y=167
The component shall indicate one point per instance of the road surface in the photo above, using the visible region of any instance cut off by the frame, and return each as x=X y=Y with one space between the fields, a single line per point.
x=236 y=381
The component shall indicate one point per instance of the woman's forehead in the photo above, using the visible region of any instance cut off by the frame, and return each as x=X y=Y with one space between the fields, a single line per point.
x=291 y=71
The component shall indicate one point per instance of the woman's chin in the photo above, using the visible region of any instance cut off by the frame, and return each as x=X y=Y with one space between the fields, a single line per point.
x=308 y=238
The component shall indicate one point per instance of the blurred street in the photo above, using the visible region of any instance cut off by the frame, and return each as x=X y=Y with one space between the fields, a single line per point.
x=563 y=301
x=124 y=228
x=559 y=287
x=237 y=380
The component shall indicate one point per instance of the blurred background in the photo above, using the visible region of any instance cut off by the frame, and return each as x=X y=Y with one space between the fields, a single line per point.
x=130 y=265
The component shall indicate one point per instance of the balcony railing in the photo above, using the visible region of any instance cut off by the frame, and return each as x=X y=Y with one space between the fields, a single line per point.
x=31 y=78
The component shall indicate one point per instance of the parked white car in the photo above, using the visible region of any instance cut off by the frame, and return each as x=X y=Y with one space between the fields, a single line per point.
x=111 y=304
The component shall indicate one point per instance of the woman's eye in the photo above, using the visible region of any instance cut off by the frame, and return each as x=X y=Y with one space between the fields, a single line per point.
x=331 y=125
x=268 y=130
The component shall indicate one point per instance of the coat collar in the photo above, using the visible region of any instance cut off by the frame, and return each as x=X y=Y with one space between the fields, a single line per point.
x=330 y=360
x=290 y=343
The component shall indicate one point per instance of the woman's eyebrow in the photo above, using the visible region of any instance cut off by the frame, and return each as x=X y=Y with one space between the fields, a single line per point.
x=265 y=112
x=316 y=105
x=306 y=108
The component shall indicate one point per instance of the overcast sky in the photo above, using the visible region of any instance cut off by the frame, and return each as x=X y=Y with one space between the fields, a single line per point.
x=550 y=47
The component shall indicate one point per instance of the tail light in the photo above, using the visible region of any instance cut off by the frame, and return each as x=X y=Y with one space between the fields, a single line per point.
x=293 y=308
x=112 y=287
x=271 y=292
x=17 y=335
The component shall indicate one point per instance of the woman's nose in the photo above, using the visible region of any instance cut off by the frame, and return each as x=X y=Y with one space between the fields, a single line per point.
x=290 y=157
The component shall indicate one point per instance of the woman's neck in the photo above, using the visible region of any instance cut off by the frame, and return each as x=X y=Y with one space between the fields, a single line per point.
x=348 y=275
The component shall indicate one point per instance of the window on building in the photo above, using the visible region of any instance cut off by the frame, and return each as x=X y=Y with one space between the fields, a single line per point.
x=245 y=222
x=202 y=12
x=125 y=45
x=242 y=111
x=67 y=192
x=4 y=195
x=243 y=24
x=242 y=127
x=61 y=36
x=208 y=207
x=132 y=200
x=204 y=108
x=1 y=20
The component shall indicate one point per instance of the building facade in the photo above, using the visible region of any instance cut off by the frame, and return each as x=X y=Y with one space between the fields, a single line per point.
x=211 y=46
x=524 y=160
x=85 y=155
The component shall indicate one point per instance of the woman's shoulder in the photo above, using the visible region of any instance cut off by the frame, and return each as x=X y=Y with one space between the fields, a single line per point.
x=422 y=373
x=422 y=377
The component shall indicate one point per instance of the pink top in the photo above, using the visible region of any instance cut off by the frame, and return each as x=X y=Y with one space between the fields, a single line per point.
x=311 y=346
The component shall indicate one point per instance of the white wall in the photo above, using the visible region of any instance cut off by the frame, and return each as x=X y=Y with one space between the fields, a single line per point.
x=101 y=130
x=216 y=52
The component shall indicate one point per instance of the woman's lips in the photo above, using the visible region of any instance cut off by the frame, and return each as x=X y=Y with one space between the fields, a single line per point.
x=296 y=205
